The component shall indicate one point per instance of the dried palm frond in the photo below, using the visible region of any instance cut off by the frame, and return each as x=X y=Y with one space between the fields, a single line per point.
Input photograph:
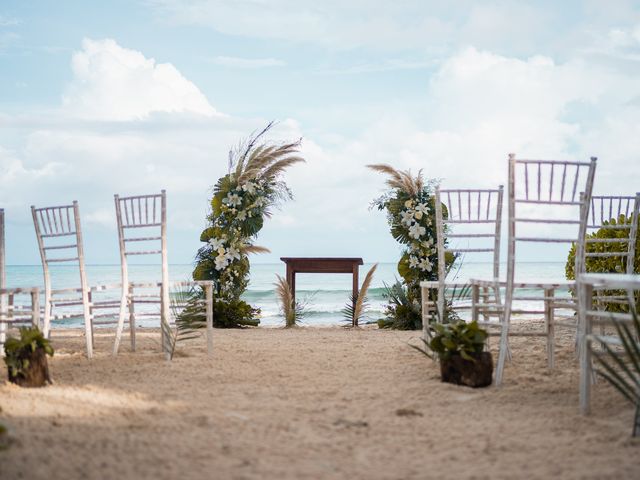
x=278 y=167
x=239 y=156
x=357 y=307
x=190 y=317
x=267 y=157
x=248 y=249
x=285 y=296
x=400 y=179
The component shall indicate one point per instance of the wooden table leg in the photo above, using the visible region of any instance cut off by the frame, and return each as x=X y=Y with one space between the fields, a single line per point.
x=291 y=280
x=355 y=288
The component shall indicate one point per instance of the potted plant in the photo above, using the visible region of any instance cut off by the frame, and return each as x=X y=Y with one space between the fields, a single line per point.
x=460 y=348
x=26 y=358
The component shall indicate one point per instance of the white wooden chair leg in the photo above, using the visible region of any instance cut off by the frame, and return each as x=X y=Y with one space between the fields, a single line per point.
x=47 y=316
x=88 y=330
x=475 y=298
x=123 y=310
x=549 y=326
x=132 y=320
x=441 y=305
x=584 y=327
x=485 y=300
x=503 y=353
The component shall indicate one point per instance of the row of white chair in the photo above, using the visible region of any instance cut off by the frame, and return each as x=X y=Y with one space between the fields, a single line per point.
x=142 y=230
x=556 y=198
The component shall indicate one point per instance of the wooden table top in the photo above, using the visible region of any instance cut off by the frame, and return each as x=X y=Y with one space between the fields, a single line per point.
x=322 y=264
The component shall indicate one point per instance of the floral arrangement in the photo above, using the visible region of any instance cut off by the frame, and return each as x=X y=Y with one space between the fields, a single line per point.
x=410 y=209
x=242 y=199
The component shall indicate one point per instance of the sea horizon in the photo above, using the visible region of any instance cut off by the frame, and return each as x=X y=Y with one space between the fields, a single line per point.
x=325 y=295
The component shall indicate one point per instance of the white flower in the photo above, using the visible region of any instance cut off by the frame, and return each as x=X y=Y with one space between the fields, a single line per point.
x=249 y=187
x=416 y=231
x=422 y=208
x=221 y=262
x=232 y=253
x=242 y=214
x=232 y=199
x=407 y=217
x=413 y=261
x=425 y=264
x=216 y=243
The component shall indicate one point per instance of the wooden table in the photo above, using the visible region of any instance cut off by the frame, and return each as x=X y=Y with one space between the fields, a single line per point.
x=321 y=265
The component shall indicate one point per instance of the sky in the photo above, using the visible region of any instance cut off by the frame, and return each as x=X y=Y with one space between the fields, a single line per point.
x=131 y=97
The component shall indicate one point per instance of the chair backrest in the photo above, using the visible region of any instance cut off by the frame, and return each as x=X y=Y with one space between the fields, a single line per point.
x=53 y=226
x=147 y=214
x=603 y=210
x=480 y=212
x=549 y=193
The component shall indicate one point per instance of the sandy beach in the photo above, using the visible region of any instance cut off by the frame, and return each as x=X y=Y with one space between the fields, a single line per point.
x=307 y=403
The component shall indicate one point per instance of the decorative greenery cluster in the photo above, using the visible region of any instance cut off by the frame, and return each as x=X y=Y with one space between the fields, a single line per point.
x=242 y=200
x=456 y=338
x=410 y=208
x=615 y=264
x=400 y=312
x=17 y=349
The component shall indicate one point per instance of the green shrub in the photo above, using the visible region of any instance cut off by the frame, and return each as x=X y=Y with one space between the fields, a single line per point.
x=615 y=264
x=606 y=264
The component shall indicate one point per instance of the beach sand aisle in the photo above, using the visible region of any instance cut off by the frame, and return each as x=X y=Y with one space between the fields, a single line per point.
x=307 y=403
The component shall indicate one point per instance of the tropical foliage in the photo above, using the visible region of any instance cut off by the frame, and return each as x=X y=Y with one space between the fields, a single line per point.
x=455 y=338
x=410 y=208
x=242 y=199
x=356 y=309
x=623 y=372
x=400 y=312
x=17 y=350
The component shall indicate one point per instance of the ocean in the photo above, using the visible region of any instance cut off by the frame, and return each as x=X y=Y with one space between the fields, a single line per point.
x=325 y=295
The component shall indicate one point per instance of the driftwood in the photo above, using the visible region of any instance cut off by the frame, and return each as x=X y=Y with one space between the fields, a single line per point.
x=474 y=374
x=36 y=374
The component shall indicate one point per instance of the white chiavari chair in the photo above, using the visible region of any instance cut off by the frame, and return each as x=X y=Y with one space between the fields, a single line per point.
x=146 y=214
x=142 y=231
x=58 y=232
x=613 y=214
x=12 y=311
x=554 y=196
x=470 y=221
x=588 y=284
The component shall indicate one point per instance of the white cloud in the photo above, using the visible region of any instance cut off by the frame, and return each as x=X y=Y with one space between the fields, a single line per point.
x=237 y=62
x=510 y=27
x=333 y=23
x=114 y=83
